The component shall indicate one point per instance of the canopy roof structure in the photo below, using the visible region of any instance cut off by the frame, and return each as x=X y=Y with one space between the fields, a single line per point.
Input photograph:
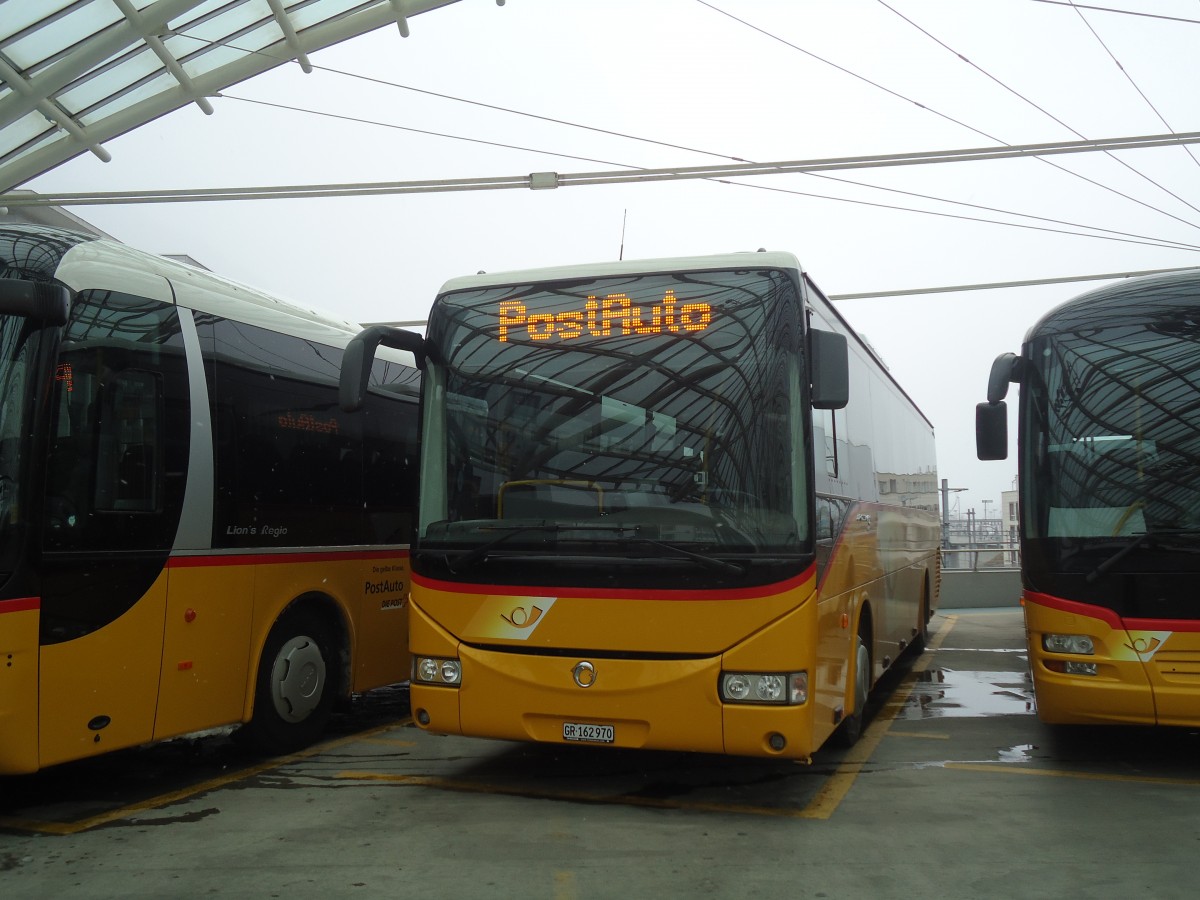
x=77 y=73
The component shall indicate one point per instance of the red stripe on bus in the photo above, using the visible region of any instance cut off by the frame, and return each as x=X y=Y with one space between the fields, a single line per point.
x=689 y=594
x=1108 y=616
x=20 y=604
x=268 y=559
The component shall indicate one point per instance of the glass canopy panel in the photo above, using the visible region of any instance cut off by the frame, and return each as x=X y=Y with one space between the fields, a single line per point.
x=52 y=45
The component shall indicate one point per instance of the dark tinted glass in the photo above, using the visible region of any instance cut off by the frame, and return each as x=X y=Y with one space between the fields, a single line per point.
x=660 y=407
x=119 y=442
x=290 y=464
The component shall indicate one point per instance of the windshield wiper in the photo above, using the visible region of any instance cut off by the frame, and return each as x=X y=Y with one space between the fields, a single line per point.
x=479 y=554
x=708 y=562
x=1138 y=541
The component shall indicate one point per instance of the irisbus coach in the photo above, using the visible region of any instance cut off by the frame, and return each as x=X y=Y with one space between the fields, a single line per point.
x=1109 y=486
x=192 y=533
x=674 y=504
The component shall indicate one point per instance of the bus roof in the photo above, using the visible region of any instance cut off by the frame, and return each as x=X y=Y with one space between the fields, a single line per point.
x=87 y=263
x=773 y=259
x=1129 y=301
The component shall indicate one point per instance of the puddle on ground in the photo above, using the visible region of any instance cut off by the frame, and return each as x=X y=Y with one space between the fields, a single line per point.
x=943 y=693
x=1019 y=753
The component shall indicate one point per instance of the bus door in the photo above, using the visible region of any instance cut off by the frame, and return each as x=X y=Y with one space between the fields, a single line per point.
x=116 y=472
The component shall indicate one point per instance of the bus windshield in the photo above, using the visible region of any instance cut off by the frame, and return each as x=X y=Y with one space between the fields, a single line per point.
x=1114 y=415
x=650 y=418
x=16 y=359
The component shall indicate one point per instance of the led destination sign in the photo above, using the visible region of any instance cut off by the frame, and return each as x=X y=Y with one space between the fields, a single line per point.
x=603 y=317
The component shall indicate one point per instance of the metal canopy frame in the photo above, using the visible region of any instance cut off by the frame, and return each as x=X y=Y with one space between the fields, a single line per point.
x=77 y=73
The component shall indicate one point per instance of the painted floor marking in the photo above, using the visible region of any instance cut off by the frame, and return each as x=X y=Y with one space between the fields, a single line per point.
x=1004 y=768
x=133 y=809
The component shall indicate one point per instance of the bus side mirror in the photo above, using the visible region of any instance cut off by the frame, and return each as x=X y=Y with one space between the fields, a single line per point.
x=991 y=418
x=360 y=355
x=829 y=369
x=1006 y=368
x=991 y=430
x=43 y=302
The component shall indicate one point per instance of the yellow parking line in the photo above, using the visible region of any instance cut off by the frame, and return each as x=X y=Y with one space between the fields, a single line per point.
x=932 y=736
x=391 y=742
x=124 y=812
x=1082 y=776
x=564 y=886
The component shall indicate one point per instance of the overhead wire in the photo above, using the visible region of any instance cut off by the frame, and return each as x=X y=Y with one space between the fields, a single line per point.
x=1106 y=234
x=935 y=112
x=1140 y=238
x=1041 y=109
x=1123 y=12
x=1125 y=72
x=442 y=134
x=1150 y=242
x=1166 y=243
x=998 y=285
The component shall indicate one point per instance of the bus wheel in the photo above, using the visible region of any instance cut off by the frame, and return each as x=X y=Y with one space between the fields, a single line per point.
x=296 y=687
x=921 y=641
x=851 y=729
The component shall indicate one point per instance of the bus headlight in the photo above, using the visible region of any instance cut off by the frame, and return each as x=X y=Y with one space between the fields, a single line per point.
x=776 y=688
x=1068 y=643
x=436 y=670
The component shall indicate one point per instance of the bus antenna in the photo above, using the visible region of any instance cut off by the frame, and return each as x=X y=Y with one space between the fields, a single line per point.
x=624 y=215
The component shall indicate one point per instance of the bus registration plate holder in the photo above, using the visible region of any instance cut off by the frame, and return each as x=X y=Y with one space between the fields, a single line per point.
x=588 y=733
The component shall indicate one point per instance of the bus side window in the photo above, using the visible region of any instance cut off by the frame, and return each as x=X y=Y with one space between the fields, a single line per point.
x=128 y=474
x=120 y=440
x=825 y=439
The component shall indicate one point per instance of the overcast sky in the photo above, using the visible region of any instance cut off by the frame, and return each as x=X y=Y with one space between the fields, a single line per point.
x=688 y=82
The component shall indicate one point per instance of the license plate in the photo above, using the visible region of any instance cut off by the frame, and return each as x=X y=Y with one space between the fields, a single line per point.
x=592 y=734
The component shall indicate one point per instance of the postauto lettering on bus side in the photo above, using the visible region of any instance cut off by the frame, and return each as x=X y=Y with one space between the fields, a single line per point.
x=387 y=586
x=599 y=317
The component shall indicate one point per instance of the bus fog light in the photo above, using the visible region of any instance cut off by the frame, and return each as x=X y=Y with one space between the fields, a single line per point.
x=1079 y=668
x=1068 y=643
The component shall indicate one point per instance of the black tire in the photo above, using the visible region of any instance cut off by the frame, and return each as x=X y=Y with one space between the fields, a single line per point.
x=296 y=687
x=851 y=727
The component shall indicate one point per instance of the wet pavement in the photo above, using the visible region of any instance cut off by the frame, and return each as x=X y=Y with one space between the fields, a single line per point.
x=955 y=790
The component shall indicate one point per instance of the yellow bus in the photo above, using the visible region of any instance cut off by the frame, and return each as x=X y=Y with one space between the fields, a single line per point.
x=192 y=533
x=1109 y=490
x=674 y=504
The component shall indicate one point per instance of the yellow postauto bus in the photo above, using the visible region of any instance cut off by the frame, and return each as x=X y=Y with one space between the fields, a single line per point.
x=672 y=504
x=192 y=533
x=1109 y=489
